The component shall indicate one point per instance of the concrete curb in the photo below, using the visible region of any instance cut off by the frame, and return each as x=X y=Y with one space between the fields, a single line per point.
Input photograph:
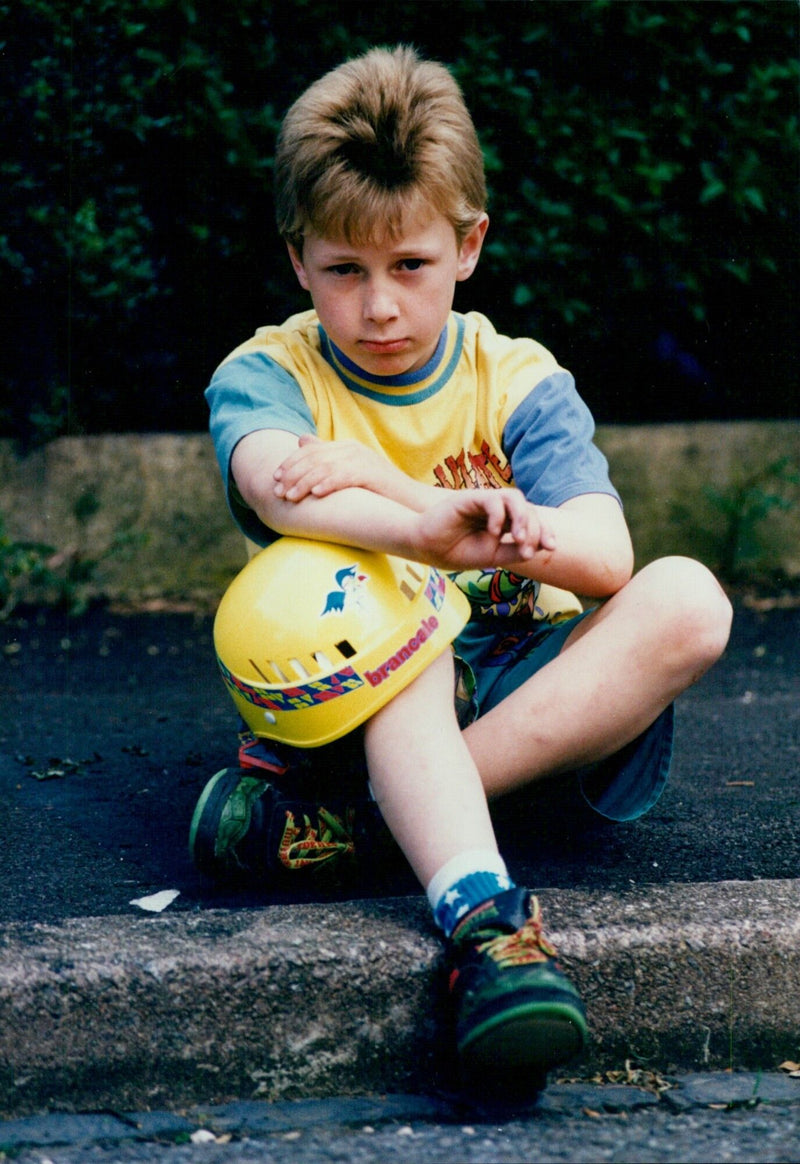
x=133 y=1012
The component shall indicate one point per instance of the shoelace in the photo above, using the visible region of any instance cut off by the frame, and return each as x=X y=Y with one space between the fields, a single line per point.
x=302 y=845
x=522 y=948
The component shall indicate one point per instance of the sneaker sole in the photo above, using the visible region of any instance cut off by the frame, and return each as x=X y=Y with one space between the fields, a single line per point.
x=529 y=1037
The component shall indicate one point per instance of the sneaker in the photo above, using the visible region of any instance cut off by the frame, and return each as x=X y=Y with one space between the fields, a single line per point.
x=517 y=1015
x=255 y=752
x=246 y=827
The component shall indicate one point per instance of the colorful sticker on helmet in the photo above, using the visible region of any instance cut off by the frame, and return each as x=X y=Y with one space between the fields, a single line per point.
x=348 y=590
x=435 y=589
x=294 y=698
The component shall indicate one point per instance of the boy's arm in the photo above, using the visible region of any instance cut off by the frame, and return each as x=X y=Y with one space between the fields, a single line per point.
x=352 y=515
x=464 y=529
x=593 y=554
x=318 y=468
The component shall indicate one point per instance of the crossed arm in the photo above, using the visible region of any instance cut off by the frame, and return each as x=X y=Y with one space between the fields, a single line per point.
x=342 y=491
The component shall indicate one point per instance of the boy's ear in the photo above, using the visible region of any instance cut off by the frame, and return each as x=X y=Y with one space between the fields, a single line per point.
x=470 y=250
x=297 y=263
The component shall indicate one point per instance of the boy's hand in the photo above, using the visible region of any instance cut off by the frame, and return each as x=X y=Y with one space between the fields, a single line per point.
x=318 y=468
x=483 y=527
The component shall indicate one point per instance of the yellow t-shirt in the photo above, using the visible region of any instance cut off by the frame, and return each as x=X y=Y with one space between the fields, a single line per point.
x=486 y=411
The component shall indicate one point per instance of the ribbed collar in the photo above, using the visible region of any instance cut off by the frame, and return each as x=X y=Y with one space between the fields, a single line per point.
x=411 y=387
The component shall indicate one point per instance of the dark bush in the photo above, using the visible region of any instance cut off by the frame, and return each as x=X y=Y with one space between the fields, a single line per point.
x=642 y=159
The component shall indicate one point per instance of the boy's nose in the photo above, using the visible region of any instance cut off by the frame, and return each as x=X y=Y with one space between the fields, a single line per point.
x=380 y=304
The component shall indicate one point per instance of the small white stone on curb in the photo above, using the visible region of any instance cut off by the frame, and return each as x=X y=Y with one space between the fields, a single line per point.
x=203 y=1136
x=156 y=902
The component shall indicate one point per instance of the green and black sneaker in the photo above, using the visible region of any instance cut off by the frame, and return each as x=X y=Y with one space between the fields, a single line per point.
x=246 y=827
x=516 y=1014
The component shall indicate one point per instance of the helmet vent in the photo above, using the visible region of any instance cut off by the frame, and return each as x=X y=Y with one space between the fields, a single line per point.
x=282 y=678
x=346 y=649
x=409 y=585
x=256 y=667
x=301 y=670
x=323 y=661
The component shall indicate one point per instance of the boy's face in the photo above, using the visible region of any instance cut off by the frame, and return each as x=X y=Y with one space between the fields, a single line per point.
x=385 y=305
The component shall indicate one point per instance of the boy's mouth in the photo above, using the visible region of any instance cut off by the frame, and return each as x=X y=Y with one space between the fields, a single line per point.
x=384 y=347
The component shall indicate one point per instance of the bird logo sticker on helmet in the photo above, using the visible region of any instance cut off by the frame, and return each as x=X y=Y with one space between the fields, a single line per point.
x=349 y=583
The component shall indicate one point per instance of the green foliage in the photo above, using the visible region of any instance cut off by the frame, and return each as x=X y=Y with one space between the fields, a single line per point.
x=743 y=509
x=641 y=157
x=128 y=152
x=24 y=566
x=660 y=142
x=36 y=572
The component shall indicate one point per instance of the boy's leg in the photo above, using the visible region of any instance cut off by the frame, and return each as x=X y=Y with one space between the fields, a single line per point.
x=423 y=777
x=621 y=666
x=516 y=1014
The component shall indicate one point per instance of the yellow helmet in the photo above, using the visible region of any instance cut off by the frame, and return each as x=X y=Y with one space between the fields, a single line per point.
x=313 y=638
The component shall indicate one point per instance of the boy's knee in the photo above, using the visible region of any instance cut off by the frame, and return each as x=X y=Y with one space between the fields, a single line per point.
x=695 y=604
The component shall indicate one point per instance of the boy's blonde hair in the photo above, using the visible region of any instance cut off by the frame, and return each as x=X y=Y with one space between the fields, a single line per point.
x=373 y=143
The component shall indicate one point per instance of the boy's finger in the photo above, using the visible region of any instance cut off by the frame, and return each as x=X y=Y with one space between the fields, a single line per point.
x=296 y=463
x=496 y=515
x=519 y=518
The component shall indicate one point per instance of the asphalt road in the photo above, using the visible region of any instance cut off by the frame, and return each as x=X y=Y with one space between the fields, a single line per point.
x=110 y=724
x=698 y=1118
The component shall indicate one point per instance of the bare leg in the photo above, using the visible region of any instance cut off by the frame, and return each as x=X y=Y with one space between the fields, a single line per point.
x=423 y=777
x=620 y=667
x=516 y=1015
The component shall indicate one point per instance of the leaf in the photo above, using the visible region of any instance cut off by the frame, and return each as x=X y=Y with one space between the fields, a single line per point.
x=712 y=189
x=48 y=774
x=754 y=196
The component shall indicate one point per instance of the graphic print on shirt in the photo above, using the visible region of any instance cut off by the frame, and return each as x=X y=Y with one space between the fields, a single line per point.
x=465 y=470
x=499 y=593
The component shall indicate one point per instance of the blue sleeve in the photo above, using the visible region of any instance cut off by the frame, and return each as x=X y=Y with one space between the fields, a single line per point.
x=548 y=440
x=249 y=393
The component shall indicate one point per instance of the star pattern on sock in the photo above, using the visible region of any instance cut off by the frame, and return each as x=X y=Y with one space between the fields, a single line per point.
x=466 y=894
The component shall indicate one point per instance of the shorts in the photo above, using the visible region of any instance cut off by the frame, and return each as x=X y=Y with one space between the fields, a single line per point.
x=501 y=656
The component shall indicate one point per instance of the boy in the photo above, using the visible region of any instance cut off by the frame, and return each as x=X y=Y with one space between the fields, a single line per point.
x=384 y=421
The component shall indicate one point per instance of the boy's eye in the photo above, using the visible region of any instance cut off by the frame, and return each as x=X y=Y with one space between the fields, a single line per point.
x=413 y=264
x=343 y=269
